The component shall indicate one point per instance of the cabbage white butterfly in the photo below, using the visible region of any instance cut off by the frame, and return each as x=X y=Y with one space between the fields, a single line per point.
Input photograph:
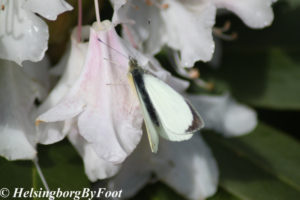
x=166 y=112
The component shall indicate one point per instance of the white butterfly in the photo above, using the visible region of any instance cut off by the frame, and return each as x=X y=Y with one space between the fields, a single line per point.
x=166 y=112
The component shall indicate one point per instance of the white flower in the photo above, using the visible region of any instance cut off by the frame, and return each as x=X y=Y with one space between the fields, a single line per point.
x=184 y=25
x=73 y=62
x=94 y=103
x=18 y=91
x=23 y=35
x=95 y=167
x=188 y=167
x=101 y=100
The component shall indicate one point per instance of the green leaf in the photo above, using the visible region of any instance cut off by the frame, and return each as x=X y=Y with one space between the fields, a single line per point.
x=223 y=195
x=157 y=191
x=62 y=167
x=160 y=191
x=60 y=164
x=15 y=174
x=270 y=80
x=262 y=165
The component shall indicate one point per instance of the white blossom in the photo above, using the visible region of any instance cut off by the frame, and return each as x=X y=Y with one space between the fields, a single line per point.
x=94 y=99
x=18 y=90
x=24 y=35
x=188 y=167
x=184 y=25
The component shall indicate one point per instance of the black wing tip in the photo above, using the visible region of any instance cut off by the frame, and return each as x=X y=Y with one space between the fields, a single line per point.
x=197 y=123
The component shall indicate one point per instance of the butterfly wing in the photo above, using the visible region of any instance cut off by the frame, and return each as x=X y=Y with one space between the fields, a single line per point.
x=178 y=119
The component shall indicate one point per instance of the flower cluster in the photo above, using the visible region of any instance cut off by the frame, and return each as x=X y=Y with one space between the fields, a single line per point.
x=93 y=105
x=23 y=37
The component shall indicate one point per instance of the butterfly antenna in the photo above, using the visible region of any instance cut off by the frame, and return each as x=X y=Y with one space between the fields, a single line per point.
x=113 y=48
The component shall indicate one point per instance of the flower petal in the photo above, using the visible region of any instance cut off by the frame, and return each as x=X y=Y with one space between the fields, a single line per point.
x=154 y=26
x=48 y=8
x=135 y=172
x=38 y=71
x=14 y=144
x=112 y=119
x=113 y=142
x=254 y=13
x=224 y=114
x=67 y=109
x=23 y=35
x=198 y=18
x=147 y=28
x=239 y=119
x=95 y=167
x=17 y=131
x=117 y=4
x=73 y=63
x=108 y=113
x=189 y=167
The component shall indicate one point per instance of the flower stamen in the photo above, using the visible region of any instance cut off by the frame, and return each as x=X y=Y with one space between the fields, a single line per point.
x=220 y=32
x=158 y=5
x=194 y=74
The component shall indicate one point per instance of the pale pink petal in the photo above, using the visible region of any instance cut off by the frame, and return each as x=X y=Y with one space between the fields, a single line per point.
x=67 y=109
x=112 y=119
x=137 y=168
x=101 y=99
x=95 y=167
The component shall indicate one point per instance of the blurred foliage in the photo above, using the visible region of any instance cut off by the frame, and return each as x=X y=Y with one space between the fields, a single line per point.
x=261 y=68
x=262 y=165
x=293 y=3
